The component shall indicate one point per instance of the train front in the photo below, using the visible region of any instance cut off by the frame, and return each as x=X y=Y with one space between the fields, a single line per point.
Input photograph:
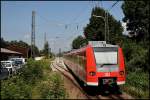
x=105 y=65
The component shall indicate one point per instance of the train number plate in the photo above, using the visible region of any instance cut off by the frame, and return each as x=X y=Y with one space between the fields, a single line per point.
x=108 y=81
x=107 y=74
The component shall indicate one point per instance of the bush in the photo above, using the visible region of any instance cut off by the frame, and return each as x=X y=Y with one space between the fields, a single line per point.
x=32 y=71
x=15 y=88
x=136 y=56
x=139 y=60
x=30 y=82
x=137 y=84
x=19 y=87
x=45 y=64
x=53 y=89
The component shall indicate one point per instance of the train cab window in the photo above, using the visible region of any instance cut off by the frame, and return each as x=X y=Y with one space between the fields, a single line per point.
x=106 y=58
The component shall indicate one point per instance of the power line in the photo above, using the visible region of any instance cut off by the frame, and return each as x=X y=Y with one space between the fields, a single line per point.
x=107 y=17
x=93 y=5
x=101 y=4
x=77 y=26
x=113 y=5
x=45 y=38
x=78 y=16
x=59 y=24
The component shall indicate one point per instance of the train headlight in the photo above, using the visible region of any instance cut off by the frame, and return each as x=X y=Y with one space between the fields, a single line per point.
x=92 y=73
x=121 y=72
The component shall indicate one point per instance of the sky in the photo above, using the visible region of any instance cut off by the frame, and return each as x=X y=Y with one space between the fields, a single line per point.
x=57 y=19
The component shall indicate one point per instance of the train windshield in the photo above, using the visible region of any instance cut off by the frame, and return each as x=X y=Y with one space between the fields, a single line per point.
x=106 y=58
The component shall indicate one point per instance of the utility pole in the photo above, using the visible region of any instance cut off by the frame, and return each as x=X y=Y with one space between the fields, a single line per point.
x=59 y=54
x=105 y=20
x=59 y=51
x=33 y=35
x=45 y=37
x=50 y=54
x=105 y=25
x=49 y=49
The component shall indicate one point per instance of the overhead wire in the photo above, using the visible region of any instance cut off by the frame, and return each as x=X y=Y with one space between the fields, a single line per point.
x=101 y=4
x=78 y=16
x=77 y=24
x=62 y=24
x=74 y=20
x=107 y=17
x=113 y=5
x=54 y=22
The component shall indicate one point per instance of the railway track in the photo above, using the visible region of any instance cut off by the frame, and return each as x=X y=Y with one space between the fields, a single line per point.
x=66 y=73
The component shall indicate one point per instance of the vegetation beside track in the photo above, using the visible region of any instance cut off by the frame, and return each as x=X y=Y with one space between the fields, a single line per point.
x=137 y=84
x=35 y=81
x=137 y=69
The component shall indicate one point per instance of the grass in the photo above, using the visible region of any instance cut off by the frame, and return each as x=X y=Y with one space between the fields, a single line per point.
x=53 y=89
x=137 y=84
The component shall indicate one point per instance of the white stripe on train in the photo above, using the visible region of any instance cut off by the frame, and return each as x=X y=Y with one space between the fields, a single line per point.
x=120 y=82
x=96 y=83
x=92 y=83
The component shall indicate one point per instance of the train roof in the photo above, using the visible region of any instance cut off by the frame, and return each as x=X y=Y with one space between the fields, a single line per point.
x=74 y=51
x=101 y=44
x=92 y=44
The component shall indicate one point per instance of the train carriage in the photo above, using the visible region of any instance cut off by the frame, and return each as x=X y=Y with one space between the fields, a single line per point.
x=97 y=63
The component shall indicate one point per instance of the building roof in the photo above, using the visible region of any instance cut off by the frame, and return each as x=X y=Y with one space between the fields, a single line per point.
x=3 y=50
x=23 y=50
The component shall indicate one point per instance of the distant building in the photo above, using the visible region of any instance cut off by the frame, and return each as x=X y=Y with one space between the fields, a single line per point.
x=23 y=50
x=6 y=54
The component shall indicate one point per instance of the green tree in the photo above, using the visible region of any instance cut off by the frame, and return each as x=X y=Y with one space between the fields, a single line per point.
x=95 y=30
x=24 y=44
x=36 y=50
x=137 y=19
x=46 y=49
x=4 y=43
x=136 y=47
x=18 y=43
x=78 y=42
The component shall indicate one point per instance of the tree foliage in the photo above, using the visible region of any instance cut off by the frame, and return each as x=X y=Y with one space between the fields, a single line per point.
x=36 y=50
x=95 y=30
x=4 y=43
x=135 y=56
x=46 y=49
x=136 y=47
x=32 y=71
x=18 y=43
x=78 y=42
x=137 y=19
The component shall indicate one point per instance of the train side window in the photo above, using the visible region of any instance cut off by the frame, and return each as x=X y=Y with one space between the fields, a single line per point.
x=81 y=61
x=78 y=60
x=73 y=57
x=84 y=59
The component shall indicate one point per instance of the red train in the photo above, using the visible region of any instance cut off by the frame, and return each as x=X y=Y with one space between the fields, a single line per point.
x=97 y=63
